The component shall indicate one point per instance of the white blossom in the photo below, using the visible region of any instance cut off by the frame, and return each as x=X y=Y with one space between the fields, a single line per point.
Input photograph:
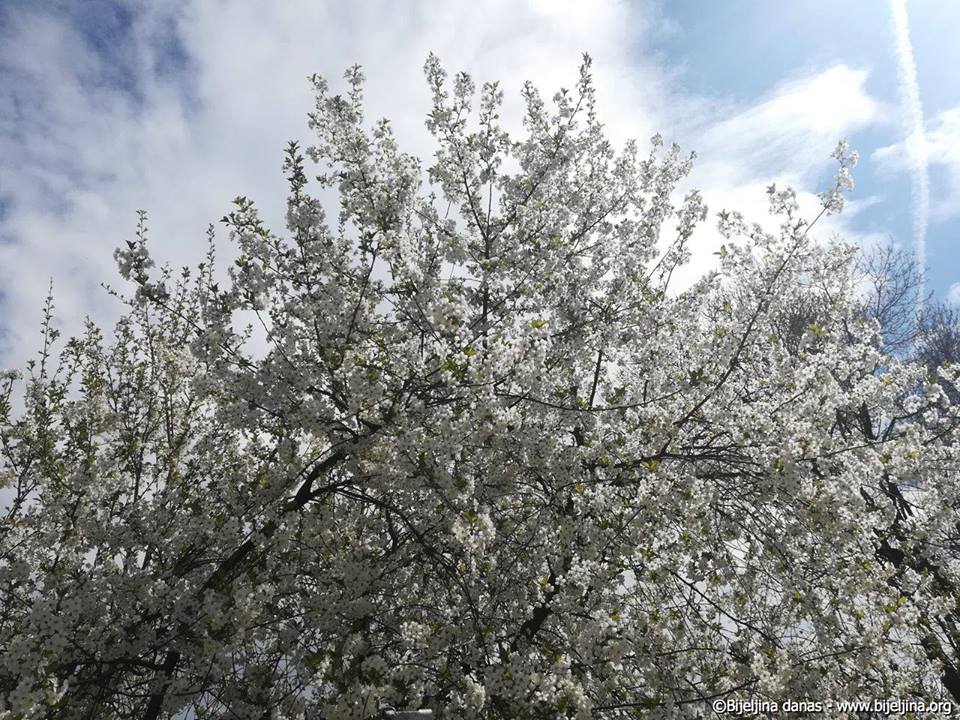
x=489 y=462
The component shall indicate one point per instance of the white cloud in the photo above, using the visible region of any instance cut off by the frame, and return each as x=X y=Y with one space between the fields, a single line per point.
x=793 y=130
x=953 y=294
x=942 y=142
x=784 y=138
x=788 y=135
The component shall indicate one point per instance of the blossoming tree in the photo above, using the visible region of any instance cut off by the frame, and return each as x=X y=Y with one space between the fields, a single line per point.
x=487 y=463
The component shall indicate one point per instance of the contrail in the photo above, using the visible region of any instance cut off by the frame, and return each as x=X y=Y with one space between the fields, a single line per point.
x=912 y=118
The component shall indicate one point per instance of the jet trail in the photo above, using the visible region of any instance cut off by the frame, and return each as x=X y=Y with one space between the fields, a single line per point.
x=916 y=149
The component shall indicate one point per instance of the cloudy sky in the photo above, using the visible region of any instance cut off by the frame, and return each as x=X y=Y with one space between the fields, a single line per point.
x=178 y=106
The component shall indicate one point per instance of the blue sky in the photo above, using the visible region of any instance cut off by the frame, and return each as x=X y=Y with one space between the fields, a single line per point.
x=177 y=106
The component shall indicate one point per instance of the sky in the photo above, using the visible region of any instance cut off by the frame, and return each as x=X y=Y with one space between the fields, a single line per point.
x=178 y=106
